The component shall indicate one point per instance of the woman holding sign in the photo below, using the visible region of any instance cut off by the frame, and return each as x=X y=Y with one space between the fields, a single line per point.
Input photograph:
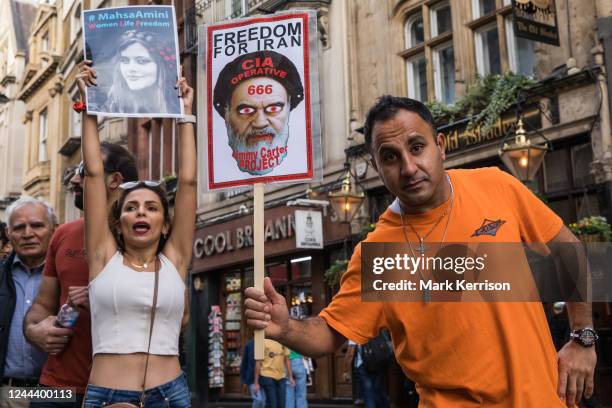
x=138 y=260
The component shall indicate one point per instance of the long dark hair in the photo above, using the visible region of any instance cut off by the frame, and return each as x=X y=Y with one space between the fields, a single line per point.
x=115 y=215
x=120 y=97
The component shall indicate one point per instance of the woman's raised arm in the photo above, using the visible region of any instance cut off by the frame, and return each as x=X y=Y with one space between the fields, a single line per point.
x=99 y=241
x=180 y=242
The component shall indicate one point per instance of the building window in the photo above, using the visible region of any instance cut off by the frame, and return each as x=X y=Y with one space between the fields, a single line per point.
x=415 y=34
x=42 y=136
x=441 y=21
x=45 y=42
x=483 y=7
x=75 y=23
x=235 y=8
x=444 y=73
x=429 y=55
x=521 y=54
x=493 y=28
x=488 y=58
x=417 y=78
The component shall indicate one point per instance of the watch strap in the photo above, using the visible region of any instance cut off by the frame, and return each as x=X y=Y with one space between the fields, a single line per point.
x=186 y=119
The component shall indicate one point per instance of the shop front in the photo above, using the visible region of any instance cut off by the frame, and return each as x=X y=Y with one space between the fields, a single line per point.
x=297 y=254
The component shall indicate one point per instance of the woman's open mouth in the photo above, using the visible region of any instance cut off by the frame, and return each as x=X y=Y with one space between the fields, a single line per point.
x=141 y=227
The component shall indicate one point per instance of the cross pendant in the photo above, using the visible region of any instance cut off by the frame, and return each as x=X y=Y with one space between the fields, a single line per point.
x=426 y=296
x=422 y=247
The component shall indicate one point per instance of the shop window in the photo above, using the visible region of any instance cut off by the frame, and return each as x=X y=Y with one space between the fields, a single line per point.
x=277 y=273
x=444 y=73
x=417 y=78
x=488 y=58
x=582 y=156
x=556 y=170
x=300 y=305
x=441 y=21
x=301 y=267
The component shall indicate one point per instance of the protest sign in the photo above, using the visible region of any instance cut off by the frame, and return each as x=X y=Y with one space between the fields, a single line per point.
x=261 y=112
x=135 y=54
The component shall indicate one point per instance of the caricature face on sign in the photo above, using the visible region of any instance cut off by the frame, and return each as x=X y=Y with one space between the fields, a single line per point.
x=257 y=125
x=138 y=68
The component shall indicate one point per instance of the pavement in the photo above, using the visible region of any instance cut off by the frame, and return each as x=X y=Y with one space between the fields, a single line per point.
x=246 y=404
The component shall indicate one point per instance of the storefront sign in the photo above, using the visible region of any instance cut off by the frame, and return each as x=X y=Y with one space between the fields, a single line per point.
x=242 y=237
x=460 y=137
x=231 y=243
x=308 y=229
x=536 y=20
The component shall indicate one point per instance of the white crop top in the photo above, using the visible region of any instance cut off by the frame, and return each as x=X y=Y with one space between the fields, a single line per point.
x=120 y=300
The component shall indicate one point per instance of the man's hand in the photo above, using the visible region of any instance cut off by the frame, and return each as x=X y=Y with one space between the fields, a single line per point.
x=267 y=310
x=576 y=371
x=79 y=296
x=48 y=337
x=256 y=388
x=292 y=381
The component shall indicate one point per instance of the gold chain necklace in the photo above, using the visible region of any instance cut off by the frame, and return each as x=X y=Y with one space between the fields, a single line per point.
x=143 y=266
x=426 y=293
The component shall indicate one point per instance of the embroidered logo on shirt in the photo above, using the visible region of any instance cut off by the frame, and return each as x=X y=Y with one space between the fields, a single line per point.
x=489 y=227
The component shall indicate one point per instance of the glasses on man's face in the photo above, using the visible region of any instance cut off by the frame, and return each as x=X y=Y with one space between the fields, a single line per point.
x=81 y=170
x=131 y=184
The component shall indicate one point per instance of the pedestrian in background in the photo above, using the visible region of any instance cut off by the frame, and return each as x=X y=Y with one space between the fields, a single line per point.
x=247 y=375
x=30 y=225
x=270 y=373
x=296 y=392
x=5 y=244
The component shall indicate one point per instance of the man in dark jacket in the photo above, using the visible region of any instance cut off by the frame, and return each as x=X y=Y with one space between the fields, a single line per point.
x=247 y=375
x=30 y=225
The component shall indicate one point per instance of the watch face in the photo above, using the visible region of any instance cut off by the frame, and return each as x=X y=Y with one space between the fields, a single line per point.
x=587 y=337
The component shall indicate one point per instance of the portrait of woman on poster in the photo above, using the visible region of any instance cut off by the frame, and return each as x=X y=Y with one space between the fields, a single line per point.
x=143 y=75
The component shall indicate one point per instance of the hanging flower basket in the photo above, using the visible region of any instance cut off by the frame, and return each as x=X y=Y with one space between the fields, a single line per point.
x=592 y=229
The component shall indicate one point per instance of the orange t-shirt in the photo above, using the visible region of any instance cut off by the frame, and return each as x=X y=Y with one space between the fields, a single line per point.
x=463 y=354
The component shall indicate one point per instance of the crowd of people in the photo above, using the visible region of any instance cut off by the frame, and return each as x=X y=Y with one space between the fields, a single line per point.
x=98 y=304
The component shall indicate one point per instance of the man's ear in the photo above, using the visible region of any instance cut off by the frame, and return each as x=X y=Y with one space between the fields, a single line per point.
x=441 y=143
x=114 y=181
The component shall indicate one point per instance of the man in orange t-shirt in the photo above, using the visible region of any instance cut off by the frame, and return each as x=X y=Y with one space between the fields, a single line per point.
x=459 y=354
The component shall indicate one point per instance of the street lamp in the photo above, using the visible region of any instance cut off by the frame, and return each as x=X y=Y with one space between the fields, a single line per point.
x=346 y=202
x=521 y=156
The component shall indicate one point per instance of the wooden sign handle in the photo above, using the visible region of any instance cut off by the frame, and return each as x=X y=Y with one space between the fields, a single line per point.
x=258 y=256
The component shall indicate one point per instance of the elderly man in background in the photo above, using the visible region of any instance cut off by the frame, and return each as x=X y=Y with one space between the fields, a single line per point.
x=30 y=226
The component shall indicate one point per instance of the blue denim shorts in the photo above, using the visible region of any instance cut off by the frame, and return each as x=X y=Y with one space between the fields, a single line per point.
x=173 y=394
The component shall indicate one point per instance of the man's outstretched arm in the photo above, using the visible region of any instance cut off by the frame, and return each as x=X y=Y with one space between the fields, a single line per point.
x=576 y=363
x=268 y=310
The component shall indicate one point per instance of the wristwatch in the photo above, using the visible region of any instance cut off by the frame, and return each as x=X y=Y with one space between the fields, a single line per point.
x=186 y=119
x=586 y=337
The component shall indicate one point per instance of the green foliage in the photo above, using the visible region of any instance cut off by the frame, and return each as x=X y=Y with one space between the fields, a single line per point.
x=594 y=225
x=334 y=273
x=484 y=101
